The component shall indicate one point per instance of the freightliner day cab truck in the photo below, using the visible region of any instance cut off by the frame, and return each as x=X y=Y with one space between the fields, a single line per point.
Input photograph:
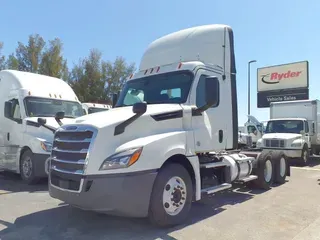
x=94 y=107
x=293 y=127
x=29 y=104
x=172 y=145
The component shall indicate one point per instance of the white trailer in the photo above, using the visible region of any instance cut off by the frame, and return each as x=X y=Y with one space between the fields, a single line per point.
x=94 y=107
x=28 y=106
x=172 y=144
x=293 y=127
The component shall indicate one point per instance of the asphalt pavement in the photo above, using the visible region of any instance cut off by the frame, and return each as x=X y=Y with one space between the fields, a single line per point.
x=288 y=211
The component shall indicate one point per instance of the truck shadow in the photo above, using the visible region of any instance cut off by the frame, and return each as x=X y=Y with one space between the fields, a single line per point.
x=11 y=182
x=65 y=222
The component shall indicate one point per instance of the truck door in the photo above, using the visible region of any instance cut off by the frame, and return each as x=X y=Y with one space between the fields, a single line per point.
x=209 y=131
x=12 y=135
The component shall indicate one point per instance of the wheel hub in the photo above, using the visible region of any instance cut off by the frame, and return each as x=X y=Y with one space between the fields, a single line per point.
x=174 y=196
x=27 y=167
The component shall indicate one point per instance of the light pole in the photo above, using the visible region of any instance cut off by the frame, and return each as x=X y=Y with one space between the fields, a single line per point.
x=252 y=61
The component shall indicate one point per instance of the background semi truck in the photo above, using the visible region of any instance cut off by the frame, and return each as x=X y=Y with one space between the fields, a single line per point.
x=171 y=143
x=94 y=107
x=25 y=142
x=294 y=127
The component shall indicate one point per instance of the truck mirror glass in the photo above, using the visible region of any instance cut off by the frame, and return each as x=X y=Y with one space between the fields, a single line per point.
x=302 y=132
x=42 y=121
x=139 y=108
x=212 y=91
x=8 y=109
x=114 y=99
x=59 y=115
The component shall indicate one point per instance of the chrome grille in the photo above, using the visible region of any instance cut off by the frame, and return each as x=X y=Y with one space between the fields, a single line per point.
x=276 y=143
x=71 y=145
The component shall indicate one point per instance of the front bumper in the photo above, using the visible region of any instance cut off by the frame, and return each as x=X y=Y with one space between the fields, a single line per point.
x=116 y=194
x=39 y=161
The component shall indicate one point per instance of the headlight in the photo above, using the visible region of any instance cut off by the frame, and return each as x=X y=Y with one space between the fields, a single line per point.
x=296 y=144
x=122 y=159
x=259 y=143
x=46 y=146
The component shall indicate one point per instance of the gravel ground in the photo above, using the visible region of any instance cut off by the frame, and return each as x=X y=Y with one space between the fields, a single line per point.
x=289 y=211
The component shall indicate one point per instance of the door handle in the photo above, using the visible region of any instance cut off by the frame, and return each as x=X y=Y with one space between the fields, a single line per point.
x=220 y=136
x=8 y=136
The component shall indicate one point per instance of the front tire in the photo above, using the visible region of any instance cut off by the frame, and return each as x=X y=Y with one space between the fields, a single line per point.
x=27 y=170
x=171 y=196
x=305 y=156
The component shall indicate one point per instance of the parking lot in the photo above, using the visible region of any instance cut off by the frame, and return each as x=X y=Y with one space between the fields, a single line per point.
x=289 y=211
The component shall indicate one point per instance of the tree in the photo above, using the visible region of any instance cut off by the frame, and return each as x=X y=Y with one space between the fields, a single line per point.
x=86 y=78
x=2 y=58
x=52 y=62
x=115 y=74
x=94 y=80
x=29 y=56
x=12 y=62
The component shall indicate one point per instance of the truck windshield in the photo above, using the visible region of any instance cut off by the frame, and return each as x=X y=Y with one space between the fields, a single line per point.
x=163 y=88
x=45 y=107
x=94 y=110
x=284 y=126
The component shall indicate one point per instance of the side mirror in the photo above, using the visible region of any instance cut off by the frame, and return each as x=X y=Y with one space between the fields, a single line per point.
x=42 y=121
x=8 y=109
x=212 y=91
x=59 y=115
x=114 y=99
x=139 y=108
x=212 y=94
x=302 y=132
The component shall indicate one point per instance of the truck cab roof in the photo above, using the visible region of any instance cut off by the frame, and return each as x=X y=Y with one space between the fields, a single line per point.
x=37 y=85
x=282 y=119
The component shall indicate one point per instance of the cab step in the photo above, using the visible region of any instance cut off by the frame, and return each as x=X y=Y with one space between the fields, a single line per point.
x=215 y=189
x=247 y=179
x=213 y=165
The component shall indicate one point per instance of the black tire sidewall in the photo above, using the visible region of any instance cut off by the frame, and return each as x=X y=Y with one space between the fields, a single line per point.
x=32 y=178
x=277 y=176
x=259 y=171
x=157 y=213
x=305 y=148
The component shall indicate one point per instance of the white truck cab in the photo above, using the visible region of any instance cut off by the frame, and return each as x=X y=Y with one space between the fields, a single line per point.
x=293 y=128
x=94 y=107
x=170 y=139
x=28 y=106
x=254 y=128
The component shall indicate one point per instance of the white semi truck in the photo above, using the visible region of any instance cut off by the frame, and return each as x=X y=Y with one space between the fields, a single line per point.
x=94 y=107
x=31 y=109
x=294 y=128
x=172 y=145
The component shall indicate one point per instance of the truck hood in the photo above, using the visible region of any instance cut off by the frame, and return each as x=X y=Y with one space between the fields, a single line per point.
x=284 y=136
x=120 y=114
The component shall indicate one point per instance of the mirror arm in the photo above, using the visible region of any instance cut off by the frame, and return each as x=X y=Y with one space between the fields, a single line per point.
x=198 y=111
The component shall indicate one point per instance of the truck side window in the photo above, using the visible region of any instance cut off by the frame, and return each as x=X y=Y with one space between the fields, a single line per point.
x=15 y=111
x=200 y=101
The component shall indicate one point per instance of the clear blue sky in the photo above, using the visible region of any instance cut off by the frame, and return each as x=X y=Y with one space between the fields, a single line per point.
x=272 y=32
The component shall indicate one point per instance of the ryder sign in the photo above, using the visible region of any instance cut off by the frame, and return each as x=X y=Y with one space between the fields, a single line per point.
x=287 y=82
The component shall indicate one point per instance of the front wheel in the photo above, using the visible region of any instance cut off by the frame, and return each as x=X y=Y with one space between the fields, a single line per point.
x=27 y=170
x=305 y=155
x=171 y=196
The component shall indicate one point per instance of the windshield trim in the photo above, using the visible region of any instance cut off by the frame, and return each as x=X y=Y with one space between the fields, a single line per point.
x=172 y=73
x=35 y=97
